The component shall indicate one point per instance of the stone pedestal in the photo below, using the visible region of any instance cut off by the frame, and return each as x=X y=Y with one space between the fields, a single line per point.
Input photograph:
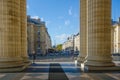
x=83 y=31
x=86 y=68
x=99 y=35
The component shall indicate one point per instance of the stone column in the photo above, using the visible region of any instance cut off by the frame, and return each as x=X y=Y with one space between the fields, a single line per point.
x=99 y=35
x=10 y=52
x=83 y=31
x=23 y=21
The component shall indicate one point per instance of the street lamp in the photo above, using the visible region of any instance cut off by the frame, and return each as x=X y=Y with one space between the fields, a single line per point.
x=73 y=44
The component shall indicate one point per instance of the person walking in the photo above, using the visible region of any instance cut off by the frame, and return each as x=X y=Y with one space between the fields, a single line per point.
x=34 y=56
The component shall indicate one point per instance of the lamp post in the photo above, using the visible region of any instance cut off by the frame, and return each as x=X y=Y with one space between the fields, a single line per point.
x=73 y=44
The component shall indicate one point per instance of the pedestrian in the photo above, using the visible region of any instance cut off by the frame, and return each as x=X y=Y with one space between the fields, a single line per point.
x=34 y=56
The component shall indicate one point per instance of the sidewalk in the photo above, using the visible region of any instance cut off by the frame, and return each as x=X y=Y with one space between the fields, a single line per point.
x=40 y=71
x=117 y=63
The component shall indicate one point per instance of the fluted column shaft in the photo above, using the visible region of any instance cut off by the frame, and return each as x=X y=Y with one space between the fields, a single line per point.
x=23 y=21
x=99 y=33
x=10 y=53
x=83 y=30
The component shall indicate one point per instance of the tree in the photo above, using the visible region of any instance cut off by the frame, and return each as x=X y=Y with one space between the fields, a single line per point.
x=59 y=47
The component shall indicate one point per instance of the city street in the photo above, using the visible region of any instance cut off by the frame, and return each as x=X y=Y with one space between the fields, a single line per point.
x=55 y=58
x=59 y=40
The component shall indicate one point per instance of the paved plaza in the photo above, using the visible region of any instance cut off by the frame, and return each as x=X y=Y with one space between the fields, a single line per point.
x=40 y=71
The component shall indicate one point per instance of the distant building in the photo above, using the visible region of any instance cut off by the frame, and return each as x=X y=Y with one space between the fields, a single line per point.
x=33 y=35
x=77 y=42
x=48 y=41
x=115 y=37
x=72 y=44
x=68 y=45
x=30 y=38
x=42 y=39
x=38 y=38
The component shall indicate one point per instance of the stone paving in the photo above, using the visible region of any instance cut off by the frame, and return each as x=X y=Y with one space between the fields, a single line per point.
x=40 y=71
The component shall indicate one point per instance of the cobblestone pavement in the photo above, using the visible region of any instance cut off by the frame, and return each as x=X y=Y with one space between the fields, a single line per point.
x=40 y=71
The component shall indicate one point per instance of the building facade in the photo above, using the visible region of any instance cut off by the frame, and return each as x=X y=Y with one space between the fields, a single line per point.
x=31 y=37
x=39 y=40
x=115 y=37
x=45 y=39
x=68 y=45
x=72 y=44
x=48 y=41
x=77 y=43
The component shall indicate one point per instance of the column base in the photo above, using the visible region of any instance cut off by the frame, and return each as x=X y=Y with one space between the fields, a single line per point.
x=12 y=64
x=80 y=60
x=86 y=68
x=14 y=69
x=25 y=59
